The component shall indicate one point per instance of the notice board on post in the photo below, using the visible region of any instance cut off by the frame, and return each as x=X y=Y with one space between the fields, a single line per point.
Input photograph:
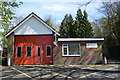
x=91 y=46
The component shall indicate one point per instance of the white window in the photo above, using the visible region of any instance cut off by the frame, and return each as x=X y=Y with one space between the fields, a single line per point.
x=71 y=49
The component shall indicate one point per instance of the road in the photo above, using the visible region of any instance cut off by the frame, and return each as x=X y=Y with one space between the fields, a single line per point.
x=71 y=72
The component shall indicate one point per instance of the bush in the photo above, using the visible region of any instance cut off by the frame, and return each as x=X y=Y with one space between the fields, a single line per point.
x=4 y=61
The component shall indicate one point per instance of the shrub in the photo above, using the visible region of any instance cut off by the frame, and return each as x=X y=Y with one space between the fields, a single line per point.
x=4 y=61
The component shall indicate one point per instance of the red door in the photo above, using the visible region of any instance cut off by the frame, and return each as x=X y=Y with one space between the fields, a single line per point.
x=18 y=50
x=33 y=50
x=45 y=49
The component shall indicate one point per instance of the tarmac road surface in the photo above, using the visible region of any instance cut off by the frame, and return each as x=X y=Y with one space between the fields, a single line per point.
x=59 y=72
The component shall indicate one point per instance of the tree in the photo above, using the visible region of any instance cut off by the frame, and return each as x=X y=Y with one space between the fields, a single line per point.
x=78 y=28
x=87 y=26
x=7 y=15
x=66 y=27
x=111 y=23
x=49 y=22
x=117 y=23
x=70 y=24
x=83 y=27
x=78 y=21
x=63 y=27
x=97 y=30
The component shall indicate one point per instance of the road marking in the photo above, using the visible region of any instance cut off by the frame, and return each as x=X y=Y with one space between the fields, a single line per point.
x=8 y=71
x=21 y=72
x=95 y=73
x=46 y=76
x=2 y=67
x=54 y=73
x=7 y=76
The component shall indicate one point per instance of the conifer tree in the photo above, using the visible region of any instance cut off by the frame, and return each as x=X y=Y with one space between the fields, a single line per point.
x=82 y=25
x=63 y=28
x=78 y=24
x=88 y=31
x=66 y=28
x=80 y=28
x=70 y=24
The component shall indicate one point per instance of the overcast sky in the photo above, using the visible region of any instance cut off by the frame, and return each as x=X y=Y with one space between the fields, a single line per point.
x=57 y=9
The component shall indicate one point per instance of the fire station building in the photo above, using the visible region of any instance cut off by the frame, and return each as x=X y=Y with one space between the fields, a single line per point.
x=33 y=42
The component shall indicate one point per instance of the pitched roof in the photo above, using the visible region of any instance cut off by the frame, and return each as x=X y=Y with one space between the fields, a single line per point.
x=28 y=17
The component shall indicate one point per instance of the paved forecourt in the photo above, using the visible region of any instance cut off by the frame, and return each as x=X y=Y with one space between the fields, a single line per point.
x=61 y=72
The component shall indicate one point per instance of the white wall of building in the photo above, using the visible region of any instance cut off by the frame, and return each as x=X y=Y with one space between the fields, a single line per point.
x=31 y=27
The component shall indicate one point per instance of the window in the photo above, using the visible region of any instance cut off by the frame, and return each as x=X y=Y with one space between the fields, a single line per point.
x=28 y=51
x=48 y=51
x=19 y=51
x=65 y=49
x=39 y=50
x=71 y=49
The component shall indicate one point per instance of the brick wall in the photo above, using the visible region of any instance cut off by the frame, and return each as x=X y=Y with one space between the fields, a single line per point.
x=10 y=49
x=88 y=56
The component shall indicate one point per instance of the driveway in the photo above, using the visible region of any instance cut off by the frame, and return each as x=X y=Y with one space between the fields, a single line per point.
x=71 y=72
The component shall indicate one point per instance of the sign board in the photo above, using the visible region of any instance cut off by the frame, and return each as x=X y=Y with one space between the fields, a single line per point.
x=91 y=45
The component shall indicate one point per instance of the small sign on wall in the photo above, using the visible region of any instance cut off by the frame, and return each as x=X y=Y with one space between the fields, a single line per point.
x=91 y=45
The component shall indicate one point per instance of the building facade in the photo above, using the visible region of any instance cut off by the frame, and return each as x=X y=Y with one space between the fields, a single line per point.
x=77 y=51
x=33 y=42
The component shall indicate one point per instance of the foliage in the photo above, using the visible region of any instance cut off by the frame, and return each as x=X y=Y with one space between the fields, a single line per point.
x=49 y=22
x=67 y=28
x=4 y=61
x=52 y=22
x=7 y=15
x=76 y=28
x=98 y=32
x=110 y=24
x=63 y=27
x=83 y=27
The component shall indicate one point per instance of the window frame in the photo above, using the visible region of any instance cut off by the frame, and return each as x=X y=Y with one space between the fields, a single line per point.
x=63 y=49
x=50 y=51
x=68 y=50
x=40 y=51
x=26 y=51
x=17 y=50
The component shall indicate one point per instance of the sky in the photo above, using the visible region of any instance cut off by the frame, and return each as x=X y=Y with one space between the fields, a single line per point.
x=56 y=9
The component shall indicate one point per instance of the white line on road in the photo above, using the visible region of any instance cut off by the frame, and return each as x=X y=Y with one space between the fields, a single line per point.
x=21 y=72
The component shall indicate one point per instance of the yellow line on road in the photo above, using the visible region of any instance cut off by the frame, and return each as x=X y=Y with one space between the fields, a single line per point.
x=6 y=76
x=21 y=72
x=55 y=73
x=46 y=76
x=95 y=73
